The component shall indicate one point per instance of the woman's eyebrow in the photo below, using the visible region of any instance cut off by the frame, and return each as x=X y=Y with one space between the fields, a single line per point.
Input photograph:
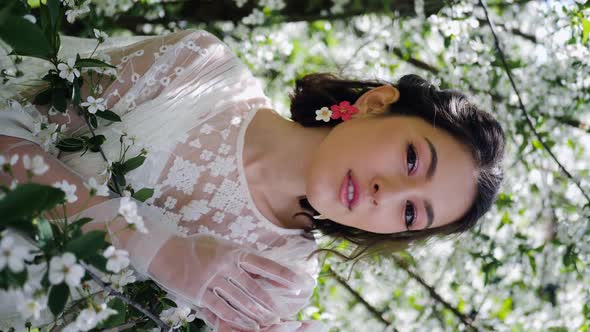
x=433 y=159
x=429 y=213
x=429 y=174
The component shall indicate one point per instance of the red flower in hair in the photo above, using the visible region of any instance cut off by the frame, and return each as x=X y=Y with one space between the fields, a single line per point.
x=343 y=110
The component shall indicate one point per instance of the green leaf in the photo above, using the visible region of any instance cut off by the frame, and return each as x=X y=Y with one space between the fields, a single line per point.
x=58 y=99
x=98 y=261
x=43 y=98
x=109 y=115
x=532 y=262
x=58 y=296
x=76 y=99
x=70 y=144
x=132 y=164
x=24 y=37
x=143 y=194
x=93 y=121
x=53 y=6
x=79 y=223
x=87 y=245
x=116 y=319
x=28 y=200
x=44 y=231
x=89 y=62
x=586 y=30
x=95 y=142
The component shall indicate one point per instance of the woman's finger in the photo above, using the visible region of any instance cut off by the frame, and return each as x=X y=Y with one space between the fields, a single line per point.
x=223 y=311
x=235 y=296
x=274 y=271
x=251 y=287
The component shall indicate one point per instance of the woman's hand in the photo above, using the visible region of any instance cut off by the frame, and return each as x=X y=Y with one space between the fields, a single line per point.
x=219 y=325
x=232 y=284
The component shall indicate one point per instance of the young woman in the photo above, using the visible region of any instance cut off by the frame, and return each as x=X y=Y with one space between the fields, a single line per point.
x=240 y=190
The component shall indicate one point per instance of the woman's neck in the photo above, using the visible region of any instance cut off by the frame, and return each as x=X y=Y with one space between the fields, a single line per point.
x=277 y=155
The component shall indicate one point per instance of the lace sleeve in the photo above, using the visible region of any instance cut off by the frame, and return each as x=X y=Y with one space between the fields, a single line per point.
x=145 y=70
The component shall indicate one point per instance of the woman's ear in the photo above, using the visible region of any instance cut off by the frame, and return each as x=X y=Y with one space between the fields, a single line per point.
x=376 y=101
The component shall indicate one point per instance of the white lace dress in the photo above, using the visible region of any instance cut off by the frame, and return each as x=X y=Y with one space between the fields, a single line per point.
x=188 y=101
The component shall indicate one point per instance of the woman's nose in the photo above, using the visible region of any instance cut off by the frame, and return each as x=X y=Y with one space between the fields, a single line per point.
x=389 y=190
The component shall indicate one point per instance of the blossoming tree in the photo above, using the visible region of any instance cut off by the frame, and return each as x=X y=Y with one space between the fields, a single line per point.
x=524 y=268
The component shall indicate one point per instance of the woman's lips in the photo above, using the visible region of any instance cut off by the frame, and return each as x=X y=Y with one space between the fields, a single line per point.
x=344 y=191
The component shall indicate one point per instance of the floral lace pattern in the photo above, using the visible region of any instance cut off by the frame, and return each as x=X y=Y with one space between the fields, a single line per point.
x=190 y=101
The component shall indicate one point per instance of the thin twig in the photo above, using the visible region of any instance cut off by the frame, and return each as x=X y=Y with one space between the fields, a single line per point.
x=524 y=111
x=376 y=313
x=116 y=294
x=434 y=294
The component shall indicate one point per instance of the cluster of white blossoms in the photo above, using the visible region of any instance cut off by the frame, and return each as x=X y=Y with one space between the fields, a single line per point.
x=176 y=317
x=88 y=318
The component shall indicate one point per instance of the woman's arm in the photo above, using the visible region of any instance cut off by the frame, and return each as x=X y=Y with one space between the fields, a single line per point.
x=57 y=172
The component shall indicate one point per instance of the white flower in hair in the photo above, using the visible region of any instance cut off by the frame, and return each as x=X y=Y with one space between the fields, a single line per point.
x=94 y=104
x=67 y=70
x=324 y=114
x=117 y=259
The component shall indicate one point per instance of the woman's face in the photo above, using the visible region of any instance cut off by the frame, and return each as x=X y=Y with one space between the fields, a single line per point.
x=408 y=175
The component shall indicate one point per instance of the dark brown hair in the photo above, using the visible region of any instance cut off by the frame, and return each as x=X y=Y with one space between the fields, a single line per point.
x=446 y=109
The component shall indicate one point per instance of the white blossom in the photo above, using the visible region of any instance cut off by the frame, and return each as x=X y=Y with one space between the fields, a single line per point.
x=120 y=279
x=67 y=70
x=5 y=162
x=255 y=18
x=94 y=104
x=128 y=209
x=68 y=189
x=323 y=114
x=64 y=267
x=240 y=3
x=12 y=255
x=97 y=189
x=30 y=306
x=38 y=165
x=86 y=320
x=30 y=18
x=100 y=35
x=176 y=317
x=117 y=259
x=73 y=14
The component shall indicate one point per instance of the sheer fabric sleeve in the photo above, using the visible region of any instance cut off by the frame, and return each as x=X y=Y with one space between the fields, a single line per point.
x=234 y=283
x=144 y=71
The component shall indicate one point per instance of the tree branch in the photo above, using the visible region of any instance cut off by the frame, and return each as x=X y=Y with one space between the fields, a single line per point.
x=376 y=313
x=433 y=293
x=116 y=294
x=524 y=111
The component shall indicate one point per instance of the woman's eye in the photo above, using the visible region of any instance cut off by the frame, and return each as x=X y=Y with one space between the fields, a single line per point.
x=409 y=215
x=411 y=158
